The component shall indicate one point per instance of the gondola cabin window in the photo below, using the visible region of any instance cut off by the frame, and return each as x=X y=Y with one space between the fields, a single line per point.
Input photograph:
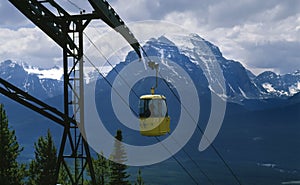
x=153 y=114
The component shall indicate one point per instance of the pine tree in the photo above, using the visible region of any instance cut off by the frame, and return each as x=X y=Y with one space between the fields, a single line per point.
x=42 y=169
x=101 y=169
x=139 y=179
x=63 y=177
x=118 y=174
x=11 y=173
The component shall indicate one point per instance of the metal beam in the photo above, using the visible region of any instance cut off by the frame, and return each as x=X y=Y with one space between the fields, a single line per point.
x=50 y=23
x=45 y=20
x=67 y=31
x=111 y=18
x=33 y=103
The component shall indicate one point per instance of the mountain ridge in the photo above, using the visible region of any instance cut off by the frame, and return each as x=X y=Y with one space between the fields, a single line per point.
x=240 y=82
x=256 y=129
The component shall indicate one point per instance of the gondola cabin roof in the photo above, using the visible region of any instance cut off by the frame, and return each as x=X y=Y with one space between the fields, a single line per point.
x=152 y=96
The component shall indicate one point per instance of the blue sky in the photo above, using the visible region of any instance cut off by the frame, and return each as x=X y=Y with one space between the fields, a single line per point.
x=263 y=35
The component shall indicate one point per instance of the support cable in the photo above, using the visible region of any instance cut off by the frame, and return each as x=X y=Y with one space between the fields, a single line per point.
x=180 y=164
x=110 y=84
x=214 y=148
x=197 y=165
x=202 y=132
x=106 y=59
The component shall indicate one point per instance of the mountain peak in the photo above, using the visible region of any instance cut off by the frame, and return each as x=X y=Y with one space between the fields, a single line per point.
x=9 y=63
x=192 y=41
x=165 y=40
x=197 y=56
x=30 y=79
x=279 y=85
x=296 y=73
x=267 y=74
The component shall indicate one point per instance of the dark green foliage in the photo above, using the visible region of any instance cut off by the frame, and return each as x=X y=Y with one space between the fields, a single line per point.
x=11 y=173
x=42 y=169
x=101 y=169
x=63 y=177
x=139 y=179
x=118 y=174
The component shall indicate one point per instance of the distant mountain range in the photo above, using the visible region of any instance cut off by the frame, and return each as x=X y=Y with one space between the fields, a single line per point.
x=259 y=137
x=196 y=52
x=42 y=83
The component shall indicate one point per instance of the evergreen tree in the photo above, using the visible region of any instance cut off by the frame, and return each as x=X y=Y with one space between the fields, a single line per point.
x=139 y=179
x=101 y=169
x=63 y=177
x=11 y=173
x=42 y=169
x=118 y=174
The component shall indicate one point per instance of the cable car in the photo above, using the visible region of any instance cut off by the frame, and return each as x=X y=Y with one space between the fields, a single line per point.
x=153 y=115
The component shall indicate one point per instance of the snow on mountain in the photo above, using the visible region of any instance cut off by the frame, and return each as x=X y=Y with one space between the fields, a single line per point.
x=32 y=80
x=92 y=73
x=203 y=61
x=208 y=68
x=55 y=72
x=227 y=78
x=168 y=52
x=240 y=82
x=279 y=85
x=204 y=54
x=192 y=44
x=294 y=89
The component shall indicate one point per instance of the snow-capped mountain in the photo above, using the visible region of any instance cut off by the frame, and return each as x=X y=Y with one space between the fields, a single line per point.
x=42 y=83
x=208 y=56
x=246 y=138
x=240 y=83
x=202 y=60
x=279 y=85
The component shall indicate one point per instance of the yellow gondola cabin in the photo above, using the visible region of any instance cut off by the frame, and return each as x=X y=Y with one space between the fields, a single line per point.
x=153 y=115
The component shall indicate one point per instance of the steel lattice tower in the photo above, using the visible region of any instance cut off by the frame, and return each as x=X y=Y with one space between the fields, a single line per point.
x=67 y=31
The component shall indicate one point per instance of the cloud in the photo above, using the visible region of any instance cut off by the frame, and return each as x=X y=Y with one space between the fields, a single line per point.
x=225 y=13
x=231 y=13
x=28 y=45
x=282 y=56
x=252 y=43
x=244 y=30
